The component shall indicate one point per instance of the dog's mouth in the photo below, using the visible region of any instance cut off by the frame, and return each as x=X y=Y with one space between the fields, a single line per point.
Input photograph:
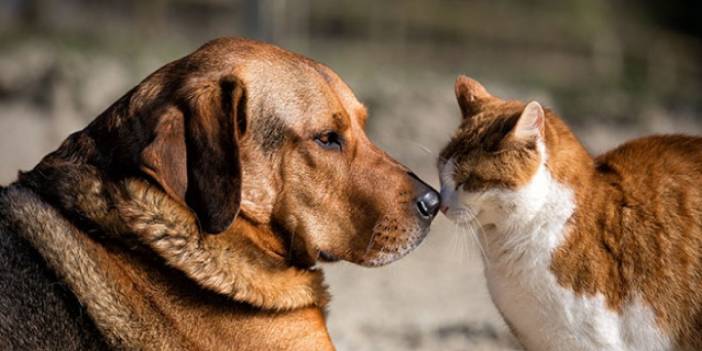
x=391 y=240
x=386 y=249
x=325 y=256
x=301 y=254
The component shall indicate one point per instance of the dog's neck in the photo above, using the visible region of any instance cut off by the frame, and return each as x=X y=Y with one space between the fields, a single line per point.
x=247 y=262
x=138 y=302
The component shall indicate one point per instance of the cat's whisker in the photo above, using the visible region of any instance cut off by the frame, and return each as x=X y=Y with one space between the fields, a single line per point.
x=422 y=147
x=471 y=233
x=456 y=241
x=466 y=220
x=457 y=232
x=477 y=229
x=514 y=240
x=476 y=223
x=464 y=244
x=481 y=232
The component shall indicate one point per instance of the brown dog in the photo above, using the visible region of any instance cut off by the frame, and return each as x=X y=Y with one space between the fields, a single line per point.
x=190 y=214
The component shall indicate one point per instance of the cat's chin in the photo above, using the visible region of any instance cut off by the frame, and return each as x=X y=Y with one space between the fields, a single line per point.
x=490 y=227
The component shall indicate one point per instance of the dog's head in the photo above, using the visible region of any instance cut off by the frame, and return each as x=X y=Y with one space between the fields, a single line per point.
x=245 y=129
x=311 y=173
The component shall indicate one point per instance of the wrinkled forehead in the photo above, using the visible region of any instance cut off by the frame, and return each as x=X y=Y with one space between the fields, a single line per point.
x=301 y=93
x=348 y=100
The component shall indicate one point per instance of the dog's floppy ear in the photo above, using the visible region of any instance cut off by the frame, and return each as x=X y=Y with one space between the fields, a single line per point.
x=194 y=152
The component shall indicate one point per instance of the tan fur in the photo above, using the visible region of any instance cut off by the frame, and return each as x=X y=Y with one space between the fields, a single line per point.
x=232 y=268
x=637 y=228
x=139 y=305
x=136 y=209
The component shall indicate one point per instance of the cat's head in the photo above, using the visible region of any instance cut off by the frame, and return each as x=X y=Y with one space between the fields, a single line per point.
x=493 y=160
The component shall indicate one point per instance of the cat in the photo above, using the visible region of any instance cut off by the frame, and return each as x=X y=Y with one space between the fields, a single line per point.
x=580 y=253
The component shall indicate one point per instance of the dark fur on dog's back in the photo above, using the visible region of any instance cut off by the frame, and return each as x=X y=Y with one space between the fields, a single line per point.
x=38 y=311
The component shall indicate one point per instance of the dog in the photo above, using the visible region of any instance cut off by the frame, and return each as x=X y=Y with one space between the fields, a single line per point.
x=191 y=214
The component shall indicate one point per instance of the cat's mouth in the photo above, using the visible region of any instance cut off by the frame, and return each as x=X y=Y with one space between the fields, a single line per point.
x=463 y=216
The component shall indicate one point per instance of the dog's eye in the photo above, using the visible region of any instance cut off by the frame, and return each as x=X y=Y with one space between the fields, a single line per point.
x=329 y=140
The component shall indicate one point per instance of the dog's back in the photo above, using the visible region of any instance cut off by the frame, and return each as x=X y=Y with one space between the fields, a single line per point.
x=38 y=311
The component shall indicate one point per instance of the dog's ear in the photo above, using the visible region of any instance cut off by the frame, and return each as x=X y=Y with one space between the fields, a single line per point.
x=194 y=152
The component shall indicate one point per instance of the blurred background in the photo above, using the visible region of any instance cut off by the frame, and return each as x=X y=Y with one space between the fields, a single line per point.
x=614 y=69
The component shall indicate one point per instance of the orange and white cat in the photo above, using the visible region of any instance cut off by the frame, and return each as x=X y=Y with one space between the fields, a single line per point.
x=581 y=253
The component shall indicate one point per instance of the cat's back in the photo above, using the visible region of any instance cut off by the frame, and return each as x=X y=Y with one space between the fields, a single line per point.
x=662 y=157
x=658 y=211
x=658 y=175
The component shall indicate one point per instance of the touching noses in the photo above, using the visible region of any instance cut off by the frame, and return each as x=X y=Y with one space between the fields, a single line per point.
x=444 y=200
x=427 y=200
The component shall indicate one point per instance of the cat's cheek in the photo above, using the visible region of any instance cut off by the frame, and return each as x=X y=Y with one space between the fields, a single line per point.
x=471 y=202
x=488 y=207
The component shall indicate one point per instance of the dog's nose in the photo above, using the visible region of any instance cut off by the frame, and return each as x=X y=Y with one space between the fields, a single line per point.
x=428 y=200
x=428 y=203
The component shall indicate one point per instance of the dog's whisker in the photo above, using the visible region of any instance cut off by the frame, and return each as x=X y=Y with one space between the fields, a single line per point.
x=370 y=243
x=422 y=147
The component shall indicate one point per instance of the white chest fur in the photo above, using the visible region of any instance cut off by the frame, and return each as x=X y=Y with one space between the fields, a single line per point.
x=520 y=230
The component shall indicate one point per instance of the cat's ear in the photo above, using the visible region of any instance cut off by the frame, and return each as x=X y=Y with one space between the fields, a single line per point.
x=470 y=95
x=530 y=125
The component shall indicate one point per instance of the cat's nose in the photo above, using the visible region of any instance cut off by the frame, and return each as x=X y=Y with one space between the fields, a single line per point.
x=427 y=200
